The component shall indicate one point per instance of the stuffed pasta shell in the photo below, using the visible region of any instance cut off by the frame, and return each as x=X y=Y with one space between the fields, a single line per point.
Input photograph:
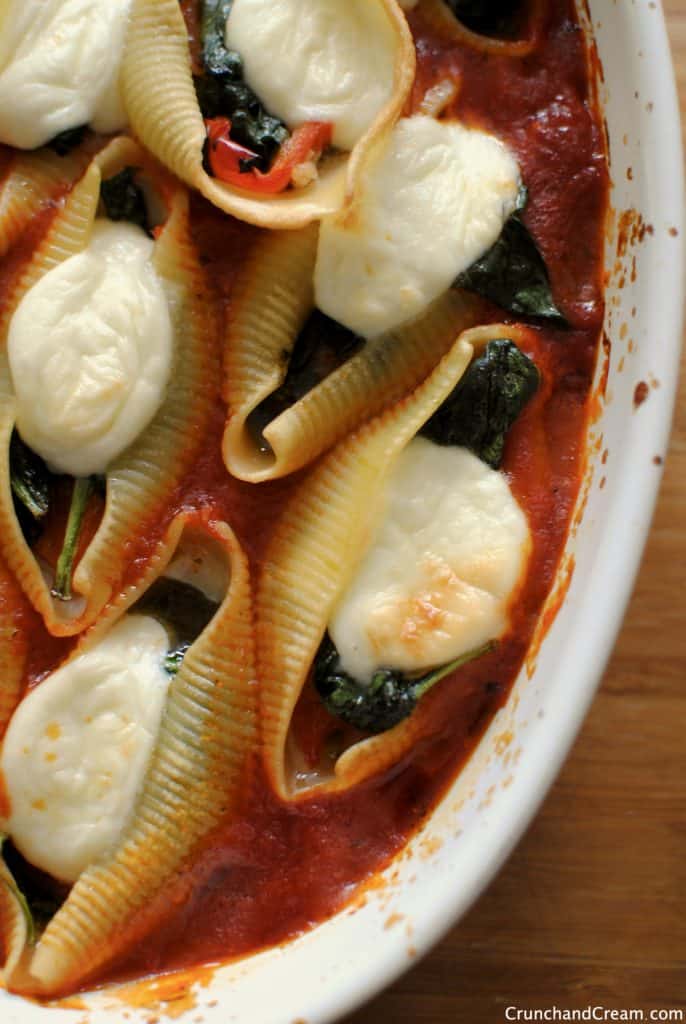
x=295 y=380
x=391 y=603
x=120 y=761
x=107 y=346
x=271 y=114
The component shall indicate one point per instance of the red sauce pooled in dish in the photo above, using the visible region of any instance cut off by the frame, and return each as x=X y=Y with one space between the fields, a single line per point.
x=279 y=869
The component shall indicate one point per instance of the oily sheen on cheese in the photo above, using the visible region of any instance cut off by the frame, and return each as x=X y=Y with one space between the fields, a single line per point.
x=59 y=68
x=77 y=747
x=317 y=60
x=90 y=349
x=434 y=199
x=437 y=579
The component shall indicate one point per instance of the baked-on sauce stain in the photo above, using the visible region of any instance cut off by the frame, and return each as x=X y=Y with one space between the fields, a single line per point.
x=277 y=870
x=641 y=392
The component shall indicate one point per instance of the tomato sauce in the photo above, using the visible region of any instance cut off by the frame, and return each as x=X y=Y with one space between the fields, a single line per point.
x=278 y=869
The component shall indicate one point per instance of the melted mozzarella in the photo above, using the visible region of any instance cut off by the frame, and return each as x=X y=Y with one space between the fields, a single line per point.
x=435 y=199
x=317 y=60
x=59 y=68
x=77 y=748
x=438 y=577
x=90 y=351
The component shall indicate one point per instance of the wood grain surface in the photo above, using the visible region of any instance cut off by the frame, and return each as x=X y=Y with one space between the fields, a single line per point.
x=591 y=907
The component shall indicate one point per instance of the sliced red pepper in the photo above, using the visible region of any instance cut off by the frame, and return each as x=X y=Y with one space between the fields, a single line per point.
x=225 y=156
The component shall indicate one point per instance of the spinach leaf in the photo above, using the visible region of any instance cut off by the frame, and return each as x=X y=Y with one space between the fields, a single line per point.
x=123 y=199
x=321 y=347
x=386 y=700
x=83 y=488
x=174 y=658
x=68 y=140
x=215 y=56
x=490 y=396
x=184 y=610
x=513 y=274
x=222 y=91
x=30 y=478
x=251 y=125
x=489 y=17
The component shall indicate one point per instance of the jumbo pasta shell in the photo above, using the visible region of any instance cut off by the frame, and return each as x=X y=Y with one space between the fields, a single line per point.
x=313 y=555
x=139 y=481
x=164 y=113
x=441 y=19
x=271 y=303
x=67 y=236
x=198 y=774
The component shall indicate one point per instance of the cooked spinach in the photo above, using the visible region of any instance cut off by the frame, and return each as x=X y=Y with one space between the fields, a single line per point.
x=30 y=479
x=80 y=496
x=321 y=347
x=123 y=199
x=32 y=486
x=386 y=700
x=489 y=17
x=184 y=610
x=222 y=91
x=488 y=399
x=68 y=140
x=174 y=658
x=215 y=56
x=513 y=273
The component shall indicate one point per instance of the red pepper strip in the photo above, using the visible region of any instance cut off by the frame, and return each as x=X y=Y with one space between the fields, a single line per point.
x=225 y=156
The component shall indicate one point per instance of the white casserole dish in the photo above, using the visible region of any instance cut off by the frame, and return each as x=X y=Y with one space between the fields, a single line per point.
x=335 y=968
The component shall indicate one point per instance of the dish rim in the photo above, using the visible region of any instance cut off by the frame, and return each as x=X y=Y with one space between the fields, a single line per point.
x=618 y=561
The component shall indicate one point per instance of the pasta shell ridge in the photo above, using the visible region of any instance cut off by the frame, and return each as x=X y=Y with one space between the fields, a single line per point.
x=199 y=772
x=31 y=180
x=13 y=646
x=165 y=115
x=153 y=88
x=316 y=547
x=68 y=235
x=271 y=302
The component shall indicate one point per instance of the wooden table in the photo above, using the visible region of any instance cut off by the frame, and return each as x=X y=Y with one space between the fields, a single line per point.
x=591 y=908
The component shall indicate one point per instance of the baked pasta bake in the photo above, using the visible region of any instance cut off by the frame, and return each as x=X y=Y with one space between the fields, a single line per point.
x=300 y=311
